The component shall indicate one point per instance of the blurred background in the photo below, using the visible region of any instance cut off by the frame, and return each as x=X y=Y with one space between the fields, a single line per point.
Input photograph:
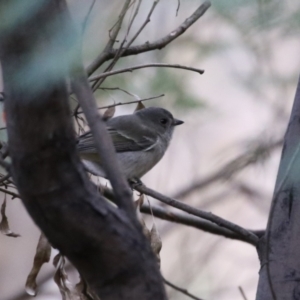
x=238 y=108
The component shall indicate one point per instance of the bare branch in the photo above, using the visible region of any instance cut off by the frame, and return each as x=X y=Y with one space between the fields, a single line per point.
x=252 y=238
x=178 y=6
x=119 y=52
x=155 y=2
x=116 y=28
x=14 y=195
x=242 y=293
x=87 y=16
x=193 y=221
x=181 y=290
x=158 y=44
x=126 y=103
x=130 y=69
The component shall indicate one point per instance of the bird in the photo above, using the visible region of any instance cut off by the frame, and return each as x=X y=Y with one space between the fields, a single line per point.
x=140 y=141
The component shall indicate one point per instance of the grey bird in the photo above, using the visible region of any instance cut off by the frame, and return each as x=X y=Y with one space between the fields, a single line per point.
x=140 y=140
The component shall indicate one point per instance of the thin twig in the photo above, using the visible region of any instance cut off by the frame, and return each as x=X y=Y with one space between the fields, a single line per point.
x=242 y=293
x=116 y=28
x=155 y=2
x=14 y=195
x=119 y=52
x=130 y=69
x=158 y=44
x=181 y=290
x=126 y=103
x=4 y=178
x=87 y=17
x=196 y=222
x=252 y=238
x=178 y=6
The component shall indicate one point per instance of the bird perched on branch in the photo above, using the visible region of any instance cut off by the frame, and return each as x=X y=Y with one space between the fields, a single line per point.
x=140 y=139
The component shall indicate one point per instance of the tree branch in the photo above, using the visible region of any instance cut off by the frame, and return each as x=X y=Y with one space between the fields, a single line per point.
x=54 y=187
x=158 y=44
x=130 y=69
x=195 y=222
x=124 y=103
x=249 y=236
x=181 y=290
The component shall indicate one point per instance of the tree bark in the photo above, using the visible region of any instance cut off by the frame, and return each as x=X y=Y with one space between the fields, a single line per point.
x=104 y=243
x=279 y=249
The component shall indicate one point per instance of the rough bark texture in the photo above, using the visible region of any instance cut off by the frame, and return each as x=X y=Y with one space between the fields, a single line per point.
x=103 y=242
x=279 y=249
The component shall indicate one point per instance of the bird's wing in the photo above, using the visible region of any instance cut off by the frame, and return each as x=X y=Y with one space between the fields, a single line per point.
x=122 y=142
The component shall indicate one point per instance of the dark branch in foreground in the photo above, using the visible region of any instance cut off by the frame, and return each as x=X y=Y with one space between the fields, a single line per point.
x=102 y=140
x=158 y=44
x=249 y=236
x=196 y=222
x=53 y=185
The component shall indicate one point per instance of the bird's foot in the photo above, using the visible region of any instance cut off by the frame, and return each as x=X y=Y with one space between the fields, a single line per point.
x=135 y=182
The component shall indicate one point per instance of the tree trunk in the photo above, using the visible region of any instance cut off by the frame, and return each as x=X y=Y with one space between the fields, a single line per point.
x=279 y=249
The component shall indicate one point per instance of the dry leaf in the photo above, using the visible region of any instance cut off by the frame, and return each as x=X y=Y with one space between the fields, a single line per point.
x=83 y=291
x=67 y=290
x=155 y=241
x=139 y=106
x=4 y=226
x=42 y=255
x=109 y=113
x=56 y=260
x=146 y=231
x=138 y=203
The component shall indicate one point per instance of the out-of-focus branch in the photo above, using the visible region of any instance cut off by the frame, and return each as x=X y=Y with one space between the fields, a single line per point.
x=195 y=222
x=46 y=169
x=103 y=142
x=130 y=69
x=181 y=290
x=249 y=236
x=125 y=103
x=158 y=44
x=237 y=164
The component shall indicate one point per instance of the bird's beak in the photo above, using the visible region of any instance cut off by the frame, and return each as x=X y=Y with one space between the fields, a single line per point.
x=177 y=122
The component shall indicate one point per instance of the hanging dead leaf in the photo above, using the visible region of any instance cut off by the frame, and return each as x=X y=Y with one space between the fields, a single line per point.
x=84 y=292
x=155 y=241
x=146 y=231
x=67 y=290
x=139 y=202
x=139 y=106
x=109 y=113
x=4 y=226
x=56 y=260
x=42 y=255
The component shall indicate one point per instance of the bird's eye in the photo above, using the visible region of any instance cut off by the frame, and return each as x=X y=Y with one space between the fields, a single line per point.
x=163 y=121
